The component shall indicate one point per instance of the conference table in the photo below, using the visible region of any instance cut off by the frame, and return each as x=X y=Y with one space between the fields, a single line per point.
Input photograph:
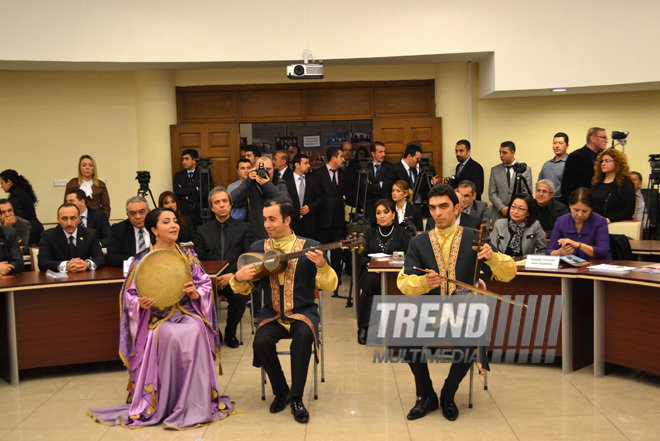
x=607 y=316
x=55 y=322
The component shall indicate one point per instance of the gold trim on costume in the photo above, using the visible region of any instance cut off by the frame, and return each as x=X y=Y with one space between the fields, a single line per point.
x=453 y=257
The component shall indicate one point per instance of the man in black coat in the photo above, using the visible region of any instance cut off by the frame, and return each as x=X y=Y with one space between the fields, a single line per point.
x=191 y=186
x=225 y=238
x=16 y=223
x=11 y=259
x=300 y=183
x=579 y=168
x=69 y=247
x=408 y=169
x=89 y=218
x=378 y=170
x=281 y=167
x=129 y=236
x=468 y=169
x=332 y=223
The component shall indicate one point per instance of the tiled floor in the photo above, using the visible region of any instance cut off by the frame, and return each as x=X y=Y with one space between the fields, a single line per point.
x=360 y=400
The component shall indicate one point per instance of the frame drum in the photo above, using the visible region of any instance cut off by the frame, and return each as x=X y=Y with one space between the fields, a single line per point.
x=161 y=275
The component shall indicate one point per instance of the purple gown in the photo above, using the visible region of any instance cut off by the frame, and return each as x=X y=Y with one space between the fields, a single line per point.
x=170 y=359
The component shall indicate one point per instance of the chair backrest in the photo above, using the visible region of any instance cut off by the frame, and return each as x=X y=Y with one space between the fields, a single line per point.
x=34 y=258
x=631 y=229
x=620 y=247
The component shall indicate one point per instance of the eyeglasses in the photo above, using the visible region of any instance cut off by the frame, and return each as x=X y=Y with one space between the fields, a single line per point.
x=518 y=209
x=607 y=161
x=543 y=191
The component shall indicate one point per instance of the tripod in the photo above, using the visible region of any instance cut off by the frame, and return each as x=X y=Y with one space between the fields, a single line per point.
x=144 y=190
x=650 y=215
x=518 y=183
x=425 y=177
x=205 y=183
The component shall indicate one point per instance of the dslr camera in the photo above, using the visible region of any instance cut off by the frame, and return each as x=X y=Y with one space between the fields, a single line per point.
x=519 y=168
x=262 y=172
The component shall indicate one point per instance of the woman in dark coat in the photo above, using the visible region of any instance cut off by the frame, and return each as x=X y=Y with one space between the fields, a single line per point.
x=23 y=199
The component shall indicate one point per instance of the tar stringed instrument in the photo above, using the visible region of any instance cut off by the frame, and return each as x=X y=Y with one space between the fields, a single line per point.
x=274 y=261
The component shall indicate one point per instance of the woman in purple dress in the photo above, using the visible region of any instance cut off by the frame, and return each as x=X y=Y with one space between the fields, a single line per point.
x=169 y=353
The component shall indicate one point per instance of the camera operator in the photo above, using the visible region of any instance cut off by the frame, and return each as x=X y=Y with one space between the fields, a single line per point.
x=255 y=190
x=503 y=177
x=188 y=187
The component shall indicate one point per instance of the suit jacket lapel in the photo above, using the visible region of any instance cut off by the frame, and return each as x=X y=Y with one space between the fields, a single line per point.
x=81 y=240
x=60 y=236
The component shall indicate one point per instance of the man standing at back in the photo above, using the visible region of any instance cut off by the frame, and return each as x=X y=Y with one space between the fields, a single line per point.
x=189 y=186
x=280 y=166
x=553 y=169
x=468 y=169
x=503 y=179
x=579 y=169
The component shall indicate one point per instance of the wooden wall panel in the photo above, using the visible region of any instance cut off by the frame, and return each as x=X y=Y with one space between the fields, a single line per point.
x=354 y=103
x=271 y=105
x=397 y=132
x=404 y=101
x=212 y=106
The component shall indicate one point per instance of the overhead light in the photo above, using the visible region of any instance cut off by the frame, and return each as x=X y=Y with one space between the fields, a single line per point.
x=560 y=89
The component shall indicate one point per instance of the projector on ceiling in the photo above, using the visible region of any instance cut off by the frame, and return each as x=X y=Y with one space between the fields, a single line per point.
x=304 y=71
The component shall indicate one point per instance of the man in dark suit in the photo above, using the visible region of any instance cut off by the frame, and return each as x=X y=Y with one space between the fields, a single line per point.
x=408 y=169
x=191 y=186
x=129 y=236
x=579 y=168
x=468 y=169
x=9 y=219
x=90 y=218
x=11 y=259
x=225 y=238
x=306 y=196
x=69 y=247
x=378 y=170
x=280 y=166
x=332 y=225
x=471 y=206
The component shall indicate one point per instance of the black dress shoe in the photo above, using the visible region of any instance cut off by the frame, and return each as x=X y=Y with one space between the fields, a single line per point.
x=362 y=336
x=280 y=402
x=299 y=412
x=449 y=409
x=232 y=341
x=423 y=406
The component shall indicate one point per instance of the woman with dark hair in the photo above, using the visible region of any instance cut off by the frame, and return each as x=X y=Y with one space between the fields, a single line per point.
x=386 y=237
x=581 y=232
x=168 y=199
x=88 y=181
x=612 y=187
x=169 y=352
x=402 y=197
x=519 y=233
x=23 y=199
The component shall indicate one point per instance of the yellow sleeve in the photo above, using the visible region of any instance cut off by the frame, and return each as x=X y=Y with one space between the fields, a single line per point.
x=326 y=278
x=244 y=288
x=412 y=285
x=503 y=267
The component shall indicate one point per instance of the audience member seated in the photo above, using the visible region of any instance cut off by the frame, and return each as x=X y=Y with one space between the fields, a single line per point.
x=548 y=208
x=23 y=199
x=581 y=232
x=89 y=182
x=519 y=233
x=225 y=238
x=70 y=247
x=89 y=218
x=471 y=205
x=613 y=189
x=170 y=353
x=386 y=237
x=11 y=259
x=402 y=197
x=129 y=236
x=18 y=224
x=168 y=199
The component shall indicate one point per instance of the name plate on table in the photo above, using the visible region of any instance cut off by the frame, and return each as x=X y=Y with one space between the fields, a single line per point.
x=539 y=261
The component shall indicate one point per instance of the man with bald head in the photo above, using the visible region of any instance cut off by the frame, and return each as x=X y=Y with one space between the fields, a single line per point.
x=258 y=187
x=281 y=166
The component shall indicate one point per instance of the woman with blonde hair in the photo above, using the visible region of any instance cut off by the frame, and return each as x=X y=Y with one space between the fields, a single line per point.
x=612 y=186
x=88 y=181
x=402 y=197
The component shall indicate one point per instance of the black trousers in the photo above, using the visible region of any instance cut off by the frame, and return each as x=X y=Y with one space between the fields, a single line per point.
x=328 y=235
x=370 y=286
x=265 y=354
x=424 y=385
x=235 y=309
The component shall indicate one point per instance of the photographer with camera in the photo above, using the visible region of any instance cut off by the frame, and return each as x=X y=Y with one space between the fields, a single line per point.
x=256 y=189
x=189 y=187
x=503 y=178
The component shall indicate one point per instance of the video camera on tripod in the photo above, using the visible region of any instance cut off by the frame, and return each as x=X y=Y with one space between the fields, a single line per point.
x=144 y=177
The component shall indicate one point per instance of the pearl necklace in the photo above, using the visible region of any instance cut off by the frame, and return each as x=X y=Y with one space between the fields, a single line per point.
x=385 y=235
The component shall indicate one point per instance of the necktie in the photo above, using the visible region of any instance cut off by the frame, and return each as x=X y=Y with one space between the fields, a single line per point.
x=72 y=247
x=412 y=176
x=222 y=241
x=190 y=175
x=82 y=221
x=141 y=244
x=377 y=169
x=334 y=177
x=508 y=176
x=301 y=190
x=460 y=168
